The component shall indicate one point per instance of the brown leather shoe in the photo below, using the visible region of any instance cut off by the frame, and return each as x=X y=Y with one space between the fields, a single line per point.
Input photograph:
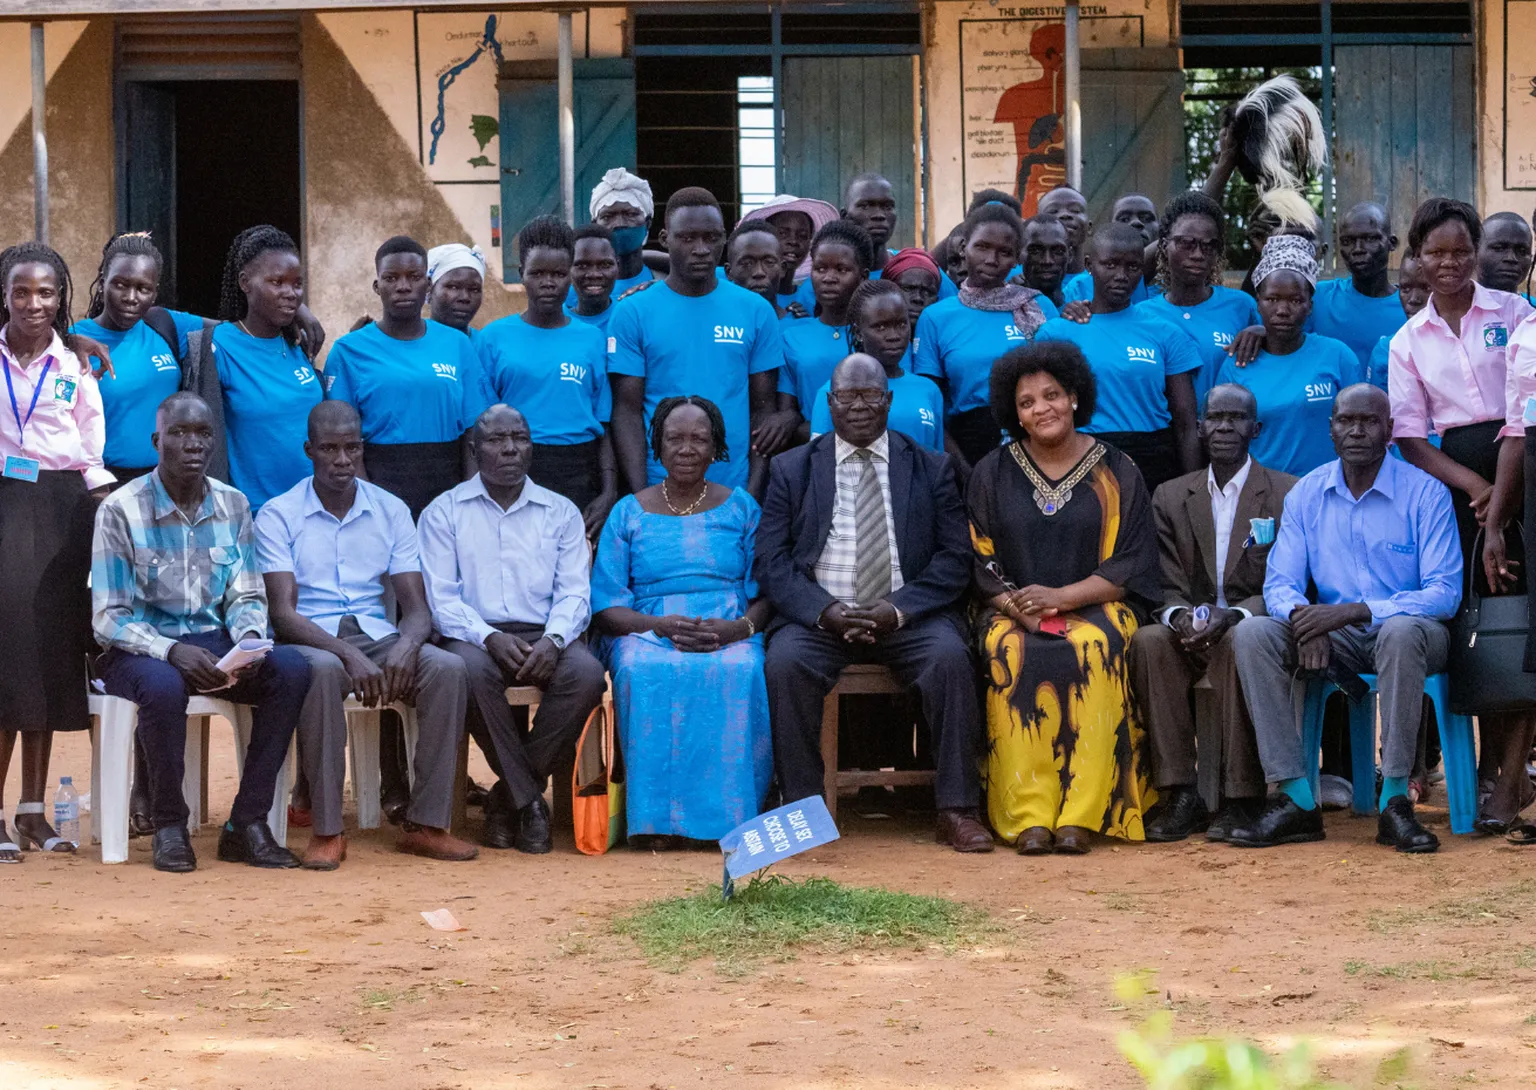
x=434 y=844
x=1036 y=841
x=1073 y=840
x=963 y=831
x=325 y=852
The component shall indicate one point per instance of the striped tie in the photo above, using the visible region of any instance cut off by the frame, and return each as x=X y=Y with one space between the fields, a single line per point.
x=872 y=542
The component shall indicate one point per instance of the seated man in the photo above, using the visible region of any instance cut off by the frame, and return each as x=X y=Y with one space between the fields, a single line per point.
x=1378 y=539
x=864 y=551
x=173 y=586
x=325 y=547
x=507 y=568
x=1212 y=557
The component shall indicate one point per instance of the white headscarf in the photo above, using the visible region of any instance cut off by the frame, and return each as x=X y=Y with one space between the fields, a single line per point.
x=1294 y=253
x=620 y=185
x=442 y=260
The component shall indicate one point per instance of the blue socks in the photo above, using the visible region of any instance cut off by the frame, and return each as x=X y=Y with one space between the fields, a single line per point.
x=1391 y=787
x=1299 y=791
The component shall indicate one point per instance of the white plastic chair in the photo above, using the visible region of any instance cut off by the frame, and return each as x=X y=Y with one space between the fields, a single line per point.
x=363 y=755
x=114 y=720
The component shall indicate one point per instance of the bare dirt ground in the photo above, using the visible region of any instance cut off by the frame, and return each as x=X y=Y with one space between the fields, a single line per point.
x=116 y=976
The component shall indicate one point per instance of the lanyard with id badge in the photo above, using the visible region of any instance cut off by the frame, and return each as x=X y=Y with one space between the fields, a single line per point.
x=18 y=467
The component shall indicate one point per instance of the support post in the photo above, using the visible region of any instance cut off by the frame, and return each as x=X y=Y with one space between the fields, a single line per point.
x=39 y=135
x=1327 y=112
x=1073 y=89
x=567 y=97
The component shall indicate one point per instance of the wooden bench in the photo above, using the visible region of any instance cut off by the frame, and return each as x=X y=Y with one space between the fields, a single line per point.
x=860 y=680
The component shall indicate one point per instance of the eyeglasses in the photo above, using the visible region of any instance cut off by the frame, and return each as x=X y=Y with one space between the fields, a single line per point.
x=1184 y=245
x=848 y=398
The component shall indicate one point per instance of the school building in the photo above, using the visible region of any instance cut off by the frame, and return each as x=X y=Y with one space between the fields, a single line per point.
x=348 y=121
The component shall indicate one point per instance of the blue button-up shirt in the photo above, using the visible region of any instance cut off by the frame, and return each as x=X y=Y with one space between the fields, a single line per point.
x=485 y=566
x=1395 y=548
x=339 y=564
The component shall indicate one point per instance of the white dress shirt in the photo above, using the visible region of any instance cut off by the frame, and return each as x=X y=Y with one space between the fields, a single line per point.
x=483 y=566
x=1224 y=514
x=339 y=564
x=837 y=568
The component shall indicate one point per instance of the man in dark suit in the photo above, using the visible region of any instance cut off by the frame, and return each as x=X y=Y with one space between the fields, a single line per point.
x=1214 y=542
x=864 y=551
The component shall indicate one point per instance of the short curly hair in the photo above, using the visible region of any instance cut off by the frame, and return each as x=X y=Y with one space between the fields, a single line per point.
x=1062 y=360
x=1438 y=210
x=665 y=408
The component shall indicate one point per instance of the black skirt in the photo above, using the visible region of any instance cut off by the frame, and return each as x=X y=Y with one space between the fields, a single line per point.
x=976 y=432
x=1152 y=451
x=416 y=472
x=571 y=469
x=1475 y=446
x=45 y=601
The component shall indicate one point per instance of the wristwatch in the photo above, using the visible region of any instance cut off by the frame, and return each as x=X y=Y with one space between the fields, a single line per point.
x=556 y=639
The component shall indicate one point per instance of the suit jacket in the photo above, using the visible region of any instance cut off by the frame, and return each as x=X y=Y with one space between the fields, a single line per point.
x=1186 y=539
x=933 y=539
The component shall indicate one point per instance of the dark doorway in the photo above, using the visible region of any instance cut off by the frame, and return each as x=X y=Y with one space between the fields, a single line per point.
x=202 y=161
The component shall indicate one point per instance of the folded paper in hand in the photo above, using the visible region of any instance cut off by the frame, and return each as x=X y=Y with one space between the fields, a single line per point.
x=241 y=655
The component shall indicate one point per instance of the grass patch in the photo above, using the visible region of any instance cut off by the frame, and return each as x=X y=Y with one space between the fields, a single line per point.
x=1494 y=906
x=384 y=999
x=772 y=918
x=1410 y=970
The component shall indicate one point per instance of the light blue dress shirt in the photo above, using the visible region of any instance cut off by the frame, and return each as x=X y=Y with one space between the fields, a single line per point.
x=1395 y=548
x=483 y=566
x=339 y=564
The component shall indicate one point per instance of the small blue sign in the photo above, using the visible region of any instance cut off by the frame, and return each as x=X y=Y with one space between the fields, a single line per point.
x=776 y=835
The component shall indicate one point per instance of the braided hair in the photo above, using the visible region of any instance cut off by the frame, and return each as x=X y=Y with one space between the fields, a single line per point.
x=545 y=232
x=39 y=253
x=851 y=235
x=246 y=248
x=1192 y=203
x=863 y=295
x=665 y=409
x=127 y=244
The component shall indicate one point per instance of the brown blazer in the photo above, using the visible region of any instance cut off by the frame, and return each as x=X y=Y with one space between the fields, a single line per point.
x=1186 y=539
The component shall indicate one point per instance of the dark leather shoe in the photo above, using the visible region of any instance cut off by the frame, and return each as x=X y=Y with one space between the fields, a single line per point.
x=500 y=829
x=1037 y=840
x=1280 y=822
x=533 y=829
x=1182 y=812
x=172 y=849
x=1073 y=840
x=1399 y=827
x=962 y=831
x=139 y=821
x=1233 y=812
x=254 y=845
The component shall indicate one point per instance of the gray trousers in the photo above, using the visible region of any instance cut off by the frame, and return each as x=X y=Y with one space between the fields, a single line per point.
x=1401 y=652
x=524 y=764
x=442 y=691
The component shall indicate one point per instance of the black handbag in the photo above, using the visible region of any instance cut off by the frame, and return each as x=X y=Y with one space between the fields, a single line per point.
x=1488 y=639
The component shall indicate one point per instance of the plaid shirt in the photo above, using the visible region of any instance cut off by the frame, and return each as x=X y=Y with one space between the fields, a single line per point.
x=157 y=576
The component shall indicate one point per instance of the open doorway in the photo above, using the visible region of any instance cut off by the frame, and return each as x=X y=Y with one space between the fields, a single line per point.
x=202 y=161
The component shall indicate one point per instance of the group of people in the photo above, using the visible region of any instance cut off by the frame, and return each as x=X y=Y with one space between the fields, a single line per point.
x=1054 y=476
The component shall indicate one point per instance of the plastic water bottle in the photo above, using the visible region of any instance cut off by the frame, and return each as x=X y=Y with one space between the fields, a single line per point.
x=66 y=811
x=1201 y=620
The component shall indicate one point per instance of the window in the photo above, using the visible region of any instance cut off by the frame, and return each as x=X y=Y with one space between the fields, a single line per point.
x=755 y=151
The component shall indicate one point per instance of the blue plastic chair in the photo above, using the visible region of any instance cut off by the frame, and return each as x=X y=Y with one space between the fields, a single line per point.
x=1457 y=746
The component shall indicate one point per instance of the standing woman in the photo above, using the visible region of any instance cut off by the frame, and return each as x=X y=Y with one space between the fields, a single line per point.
x=554 y=370
x=1066 y=553
x=958 y=339
x=841 y=257
x=914 y=271
x=797 y=220
x=52 y=432
x=1189 y=263
x=674 y=595
x=457 y=273
x=594 y=267
x=416 y=384
x=1297 y=375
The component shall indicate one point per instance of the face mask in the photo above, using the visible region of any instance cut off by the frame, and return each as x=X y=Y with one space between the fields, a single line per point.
x=626 y=240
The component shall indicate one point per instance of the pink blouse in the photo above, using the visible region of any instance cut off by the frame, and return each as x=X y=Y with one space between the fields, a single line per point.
x=68 y=428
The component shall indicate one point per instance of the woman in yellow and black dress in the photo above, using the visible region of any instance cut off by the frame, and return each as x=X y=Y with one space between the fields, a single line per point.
x=1065 y=553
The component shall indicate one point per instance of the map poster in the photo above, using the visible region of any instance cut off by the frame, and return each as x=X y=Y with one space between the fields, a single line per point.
x=1013 y=94
x=1519 y=94
x=457 y=56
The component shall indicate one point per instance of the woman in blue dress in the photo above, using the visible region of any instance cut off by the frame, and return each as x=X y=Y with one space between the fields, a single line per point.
x=673 y=596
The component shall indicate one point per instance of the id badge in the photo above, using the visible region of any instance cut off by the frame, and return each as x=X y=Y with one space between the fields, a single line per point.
x=18 y=468
x=64 y=389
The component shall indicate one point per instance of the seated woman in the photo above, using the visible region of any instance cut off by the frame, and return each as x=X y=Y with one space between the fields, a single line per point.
x=1062 y=528
x=673 y=593
x=1298 y=374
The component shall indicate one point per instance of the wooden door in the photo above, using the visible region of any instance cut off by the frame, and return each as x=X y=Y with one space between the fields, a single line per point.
x=1133 y=126
x=148 y=201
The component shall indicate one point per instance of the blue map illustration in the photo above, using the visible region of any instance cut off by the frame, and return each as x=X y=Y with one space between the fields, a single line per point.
x=486 y=44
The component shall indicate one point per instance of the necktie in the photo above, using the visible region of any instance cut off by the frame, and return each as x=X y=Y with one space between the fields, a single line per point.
x=872 y=542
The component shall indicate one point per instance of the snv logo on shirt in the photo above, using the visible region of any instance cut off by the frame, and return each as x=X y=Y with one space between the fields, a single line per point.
x=572 y=372
x=1321 y=390
x=163 y=362
x=449 y=371
x=1495 y=335
x=927 y=419
x=1012 y=332
x=1222 y=340
x=730 y=334
x=1140 y=355
x=304 y=375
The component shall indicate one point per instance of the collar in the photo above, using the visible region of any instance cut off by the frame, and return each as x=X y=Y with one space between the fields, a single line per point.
x=361 y=503
x=842 y=450
x=474 y=488
x=1484 y=299
x=165 y=506
x=55 y=350
x=1385 y=482
x=1235 y=486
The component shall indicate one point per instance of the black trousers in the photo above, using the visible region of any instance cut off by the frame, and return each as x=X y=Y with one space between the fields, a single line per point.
x=931 y=655
x=1153 y=452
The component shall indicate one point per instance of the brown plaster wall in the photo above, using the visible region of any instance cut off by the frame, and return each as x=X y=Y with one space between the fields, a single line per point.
x=81 y=147
x=362 y=184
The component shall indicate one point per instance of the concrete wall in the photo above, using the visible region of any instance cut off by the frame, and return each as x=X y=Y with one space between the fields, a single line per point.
x=80 y=142
x=1506 y=106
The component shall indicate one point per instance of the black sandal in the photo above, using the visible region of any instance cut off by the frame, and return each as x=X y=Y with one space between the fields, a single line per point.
x=10 y=851
x=1491 y=826
x=1521 y=832
x=50 y=843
